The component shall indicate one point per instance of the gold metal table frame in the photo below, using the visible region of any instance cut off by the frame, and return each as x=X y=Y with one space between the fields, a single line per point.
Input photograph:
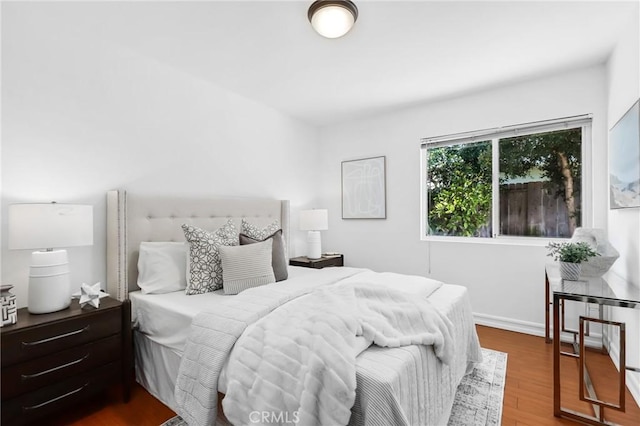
x=609 y=290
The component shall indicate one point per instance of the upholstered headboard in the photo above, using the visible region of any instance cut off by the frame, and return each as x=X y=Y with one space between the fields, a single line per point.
x=133 y=218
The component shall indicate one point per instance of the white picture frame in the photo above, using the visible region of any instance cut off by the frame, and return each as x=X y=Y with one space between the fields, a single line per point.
x=364 y=188
x=624 y=160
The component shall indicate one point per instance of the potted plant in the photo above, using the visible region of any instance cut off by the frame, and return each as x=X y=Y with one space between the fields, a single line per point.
x=571 y=255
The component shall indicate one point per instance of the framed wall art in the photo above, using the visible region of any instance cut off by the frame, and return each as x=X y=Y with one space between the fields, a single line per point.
x=624 y=160
x=364 y=189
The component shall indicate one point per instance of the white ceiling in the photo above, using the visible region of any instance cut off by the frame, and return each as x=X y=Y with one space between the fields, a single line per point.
x=398 y=54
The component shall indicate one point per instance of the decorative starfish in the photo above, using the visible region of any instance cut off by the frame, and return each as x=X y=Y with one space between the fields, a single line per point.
x=90 y=294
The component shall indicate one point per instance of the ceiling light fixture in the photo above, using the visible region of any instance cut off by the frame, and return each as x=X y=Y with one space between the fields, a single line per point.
x=332 y=18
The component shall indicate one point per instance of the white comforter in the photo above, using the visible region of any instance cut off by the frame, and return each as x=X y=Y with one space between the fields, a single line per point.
x=299 y=362
x=214 y=334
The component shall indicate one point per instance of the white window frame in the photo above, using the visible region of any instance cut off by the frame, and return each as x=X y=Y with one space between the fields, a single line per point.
x=494 y=135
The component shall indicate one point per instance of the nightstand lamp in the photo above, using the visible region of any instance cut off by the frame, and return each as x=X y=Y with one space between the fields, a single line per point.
x=314 y=221
x=48 y=226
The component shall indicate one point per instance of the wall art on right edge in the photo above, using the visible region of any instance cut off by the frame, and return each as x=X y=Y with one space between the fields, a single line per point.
x=363 y=189
x=624 y=160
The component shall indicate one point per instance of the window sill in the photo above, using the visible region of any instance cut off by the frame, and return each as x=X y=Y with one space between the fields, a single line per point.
x=503 y=240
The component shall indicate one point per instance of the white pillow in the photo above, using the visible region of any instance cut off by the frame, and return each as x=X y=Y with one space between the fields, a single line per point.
x=247 y=266
x=162 y=267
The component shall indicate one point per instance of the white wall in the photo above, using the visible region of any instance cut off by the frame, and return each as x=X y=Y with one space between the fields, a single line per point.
x=506 y=282
x=623 y=81
x=81 y=117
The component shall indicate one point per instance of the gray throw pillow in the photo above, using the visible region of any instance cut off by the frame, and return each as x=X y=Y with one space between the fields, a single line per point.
x=278 y=255
x=245 y=267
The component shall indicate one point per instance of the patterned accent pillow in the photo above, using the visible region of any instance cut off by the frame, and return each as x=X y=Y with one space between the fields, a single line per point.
x=256 y=233
x=205 y=268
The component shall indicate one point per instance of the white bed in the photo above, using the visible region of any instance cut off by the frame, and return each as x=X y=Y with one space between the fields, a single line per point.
x=407 y=384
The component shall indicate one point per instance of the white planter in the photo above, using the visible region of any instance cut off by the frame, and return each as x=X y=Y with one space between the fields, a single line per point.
x=596 y=238
x=570 y=271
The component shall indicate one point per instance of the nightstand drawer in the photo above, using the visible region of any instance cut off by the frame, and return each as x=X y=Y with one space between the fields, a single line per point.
x=57 y=336
x=24 y=377
x=30 y=406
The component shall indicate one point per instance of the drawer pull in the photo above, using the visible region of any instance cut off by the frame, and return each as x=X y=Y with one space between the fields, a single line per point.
x=60 y=336
x=51 y=370
x=58 y=398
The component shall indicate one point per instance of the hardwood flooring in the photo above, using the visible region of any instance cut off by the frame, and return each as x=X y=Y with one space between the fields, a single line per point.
x=528 y=398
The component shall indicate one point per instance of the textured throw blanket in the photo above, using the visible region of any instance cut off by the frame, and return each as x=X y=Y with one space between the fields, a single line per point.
x=299 y=363
x=213 y=335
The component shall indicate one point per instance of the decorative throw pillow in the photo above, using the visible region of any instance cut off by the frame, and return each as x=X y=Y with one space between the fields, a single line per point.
x=247 y=266
x=278 y=255
x=256 y=233
x=205 y=269
x=162 y=267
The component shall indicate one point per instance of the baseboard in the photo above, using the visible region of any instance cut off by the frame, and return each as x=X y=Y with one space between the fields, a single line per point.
x=509 y=324
x=526 y=327
x=535 y=329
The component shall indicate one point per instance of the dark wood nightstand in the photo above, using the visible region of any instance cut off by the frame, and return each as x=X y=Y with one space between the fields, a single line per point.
x=323 y=262
x=52 y=361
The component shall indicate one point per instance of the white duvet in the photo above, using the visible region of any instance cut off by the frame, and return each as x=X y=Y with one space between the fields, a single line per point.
x=299 y=362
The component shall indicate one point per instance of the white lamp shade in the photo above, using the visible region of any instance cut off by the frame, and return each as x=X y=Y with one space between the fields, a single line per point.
x=314 y=220
x=50 y=225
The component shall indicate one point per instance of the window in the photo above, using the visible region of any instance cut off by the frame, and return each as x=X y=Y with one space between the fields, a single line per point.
x=520 y=181
x=459 y=189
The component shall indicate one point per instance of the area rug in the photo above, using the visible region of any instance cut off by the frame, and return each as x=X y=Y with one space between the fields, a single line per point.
x=479 y=396
x=478 y=400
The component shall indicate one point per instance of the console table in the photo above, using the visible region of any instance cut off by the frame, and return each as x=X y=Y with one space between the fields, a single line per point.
x=609 y=290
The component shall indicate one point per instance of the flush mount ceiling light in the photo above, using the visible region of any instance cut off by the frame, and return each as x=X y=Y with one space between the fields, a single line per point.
x=332 y=18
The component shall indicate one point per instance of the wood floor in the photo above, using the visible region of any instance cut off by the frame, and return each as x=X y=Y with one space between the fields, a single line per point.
x=528 y=398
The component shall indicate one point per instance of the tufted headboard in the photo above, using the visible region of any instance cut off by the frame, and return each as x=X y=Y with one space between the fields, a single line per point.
x=133 y=218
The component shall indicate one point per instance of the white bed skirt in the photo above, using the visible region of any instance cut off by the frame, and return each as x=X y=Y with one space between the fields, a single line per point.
x=157 y=377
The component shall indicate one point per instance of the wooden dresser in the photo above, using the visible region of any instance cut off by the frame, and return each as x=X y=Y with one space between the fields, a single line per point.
x=53 y=361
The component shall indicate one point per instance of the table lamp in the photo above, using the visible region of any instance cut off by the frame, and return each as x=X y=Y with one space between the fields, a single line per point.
x=314 y=221
x=45 y=227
